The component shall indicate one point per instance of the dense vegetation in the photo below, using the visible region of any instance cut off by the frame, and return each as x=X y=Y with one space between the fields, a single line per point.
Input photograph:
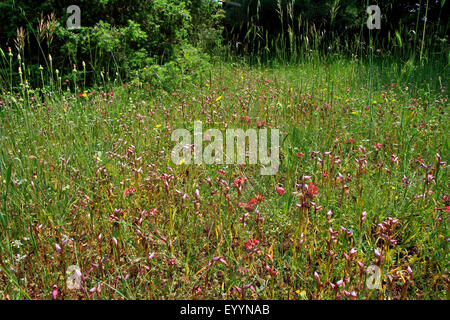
x=86 y=177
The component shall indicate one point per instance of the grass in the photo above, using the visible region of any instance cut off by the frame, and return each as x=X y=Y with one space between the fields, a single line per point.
x=86 y=179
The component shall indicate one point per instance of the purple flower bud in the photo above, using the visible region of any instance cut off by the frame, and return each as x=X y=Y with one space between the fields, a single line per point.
x=316 y=276
x=197 y=194
x=99 y=288
x=360 y=265
x=54 y=292
x=410 y=272
x=377 y=253
x=249 y=286
x=150 y=256
x=223 y=261
x=363 y=216
x=438 y=157
x=302 y=238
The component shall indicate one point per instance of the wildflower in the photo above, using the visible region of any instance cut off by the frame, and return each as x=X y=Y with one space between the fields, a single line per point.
x=379 y=256
x=249 y=286
x=54 y=292
x=409 y=270
x=280 y=190
x=197 y=194
x=19 y=257
x=312 y=190
x=250 y=205
x=361 y=267
x=220 y=259
x=218 y=98
x=238 y=183
x=251 y=244
x=150 y=257
x=128 y=192
x=420 y=160
x=317 y=277
x=363 y=216
x=378 y=146
x=198 y=290
x=151 y=212
x=405 y=181
x=245 y=119
x=114 y=240
x=17 y=244
x=329 y=214
x=253 y=202
x=352 y=294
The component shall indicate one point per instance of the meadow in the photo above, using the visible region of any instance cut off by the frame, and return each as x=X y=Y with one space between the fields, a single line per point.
x=87 y=180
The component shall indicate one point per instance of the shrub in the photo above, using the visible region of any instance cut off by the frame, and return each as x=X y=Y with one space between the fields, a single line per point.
x=116 y=36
